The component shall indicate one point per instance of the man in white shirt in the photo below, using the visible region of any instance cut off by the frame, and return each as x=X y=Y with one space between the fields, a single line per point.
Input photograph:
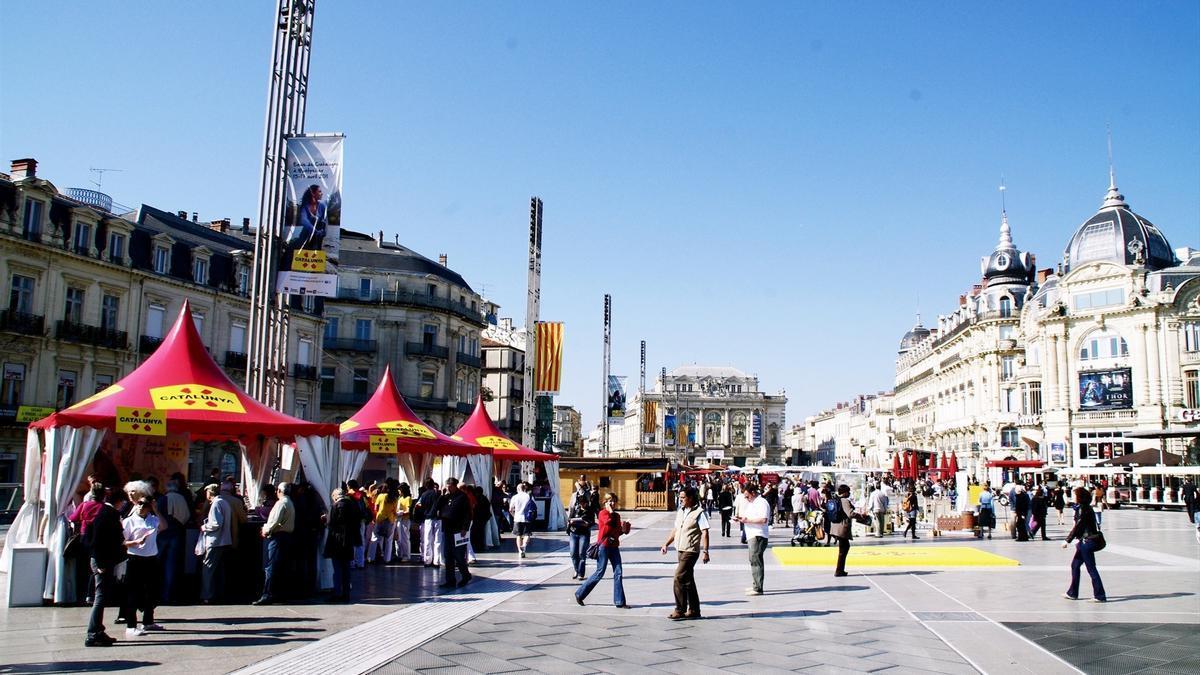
x=690 y=537
x=878 y=504
x=755 y=517
x=519 y=506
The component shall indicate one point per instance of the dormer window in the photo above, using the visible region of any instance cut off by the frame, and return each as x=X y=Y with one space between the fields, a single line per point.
x=162 y=259
x=200 y=270
x=83 y=238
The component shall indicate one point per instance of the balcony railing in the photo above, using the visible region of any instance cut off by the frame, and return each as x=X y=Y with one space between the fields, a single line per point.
x=422 y=349
x=235 y=360
x=350 y=345
x=464 y=407
x=147 y=345
x=465 y=359
x=1105 y=415
x=304 y=372
x=20 y=322
x=344 y=398
x=92 y=335
x=380 y=296
x=426 y=403
x=117 y=259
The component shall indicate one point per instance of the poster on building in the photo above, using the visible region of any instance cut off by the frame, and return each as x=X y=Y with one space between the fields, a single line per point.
x=616 y=398
x=1106 y=390
x=549 y=345
x=669 y=430
x=1058 y=453
x=311 y=240
x=756 y=429
x=649 y=417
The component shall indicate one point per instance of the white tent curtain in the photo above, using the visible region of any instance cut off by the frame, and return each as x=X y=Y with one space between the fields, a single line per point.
x=416 y=467
x=528 y=471
x=68 y=453
x=257 y=461
x=557 y=518
x=503 y=468
x=449 y=466
x=481 y=473
x=352 y=463
x=24 y=528
x=321 y=458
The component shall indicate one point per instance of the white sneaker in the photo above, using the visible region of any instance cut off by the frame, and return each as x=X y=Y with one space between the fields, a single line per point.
x=134 y=632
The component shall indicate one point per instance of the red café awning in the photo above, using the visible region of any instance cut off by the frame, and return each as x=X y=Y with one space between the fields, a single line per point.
x=181 y=379
x=479 y=430
x=387 y=416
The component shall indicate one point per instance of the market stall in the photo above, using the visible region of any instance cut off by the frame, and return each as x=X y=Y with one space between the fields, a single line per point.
x=481 y=431
x=144 y=424
x=386 y=425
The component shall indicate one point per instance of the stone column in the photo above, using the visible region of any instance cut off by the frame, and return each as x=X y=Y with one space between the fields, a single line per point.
x=1174 y=381
x=1064 y=373
x=1050 y=372
x=1152 y=338
x=1142 y=375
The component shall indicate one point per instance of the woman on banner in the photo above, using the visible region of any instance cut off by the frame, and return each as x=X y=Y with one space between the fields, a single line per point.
x=308 y=232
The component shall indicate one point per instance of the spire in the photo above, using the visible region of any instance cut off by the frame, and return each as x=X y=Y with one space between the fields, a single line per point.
x=1006 y=241
x=1113 y=197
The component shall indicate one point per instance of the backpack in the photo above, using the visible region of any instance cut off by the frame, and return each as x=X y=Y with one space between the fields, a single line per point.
x=530 y=512
x=833 y=509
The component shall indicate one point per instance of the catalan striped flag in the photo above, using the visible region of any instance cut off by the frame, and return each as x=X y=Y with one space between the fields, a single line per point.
x=549 y=357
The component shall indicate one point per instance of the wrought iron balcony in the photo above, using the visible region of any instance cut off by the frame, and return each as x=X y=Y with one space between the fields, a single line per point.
x=147 y=345
x=380 y=296
x=464 y=407
x=92 y=335
x=235 y=360
x=20 y=322
x=421 y=403
x=422 y=349
x=465 y=359
x=304 y=372
x=350 y=345
x=348 y=398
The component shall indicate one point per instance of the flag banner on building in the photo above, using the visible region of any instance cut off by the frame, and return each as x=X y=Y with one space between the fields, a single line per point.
x=669 y=432
x=616 y=398
x=756 y=429
x=549 y=347
x=1106 y=389
x=649 y=417
x=312 y=217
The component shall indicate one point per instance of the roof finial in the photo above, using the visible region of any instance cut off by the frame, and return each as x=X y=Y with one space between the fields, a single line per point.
x=1005 y=231
x=1113 y=198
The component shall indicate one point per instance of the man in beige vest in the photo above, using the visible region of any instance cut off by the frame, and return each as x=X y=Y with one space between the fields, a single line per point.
x=690 y=537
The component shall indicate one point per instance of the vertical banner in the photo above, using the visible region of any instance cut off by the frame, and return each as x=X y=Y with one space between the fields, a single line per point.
x=649 y=417
x=669 y=431
x=616 y=398
x=756 y=429
x=549 y=345
x=313 y=216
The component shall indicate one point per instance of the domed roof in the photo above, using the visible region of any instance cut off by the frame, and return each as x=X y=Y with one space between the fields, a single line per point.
x=913 y=337
x=1006 y=264
x=1117 y=234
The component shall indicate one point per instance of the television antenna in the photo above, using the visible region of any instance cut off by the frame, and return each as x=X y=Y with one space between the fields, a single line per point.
x=100 y=175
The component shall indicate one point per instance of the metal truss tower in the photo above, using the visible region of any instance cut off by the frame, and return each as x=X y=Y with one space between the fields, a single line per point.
x=266 y=354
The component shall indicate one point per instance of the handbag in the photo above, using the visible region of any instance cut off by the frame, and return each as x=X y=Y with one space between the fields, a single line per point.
x=1098 y=542
x=593 y=551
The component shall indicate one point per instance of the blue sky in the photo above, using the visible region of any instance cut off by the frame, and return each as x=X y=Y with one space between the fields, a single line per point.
x=775 y=188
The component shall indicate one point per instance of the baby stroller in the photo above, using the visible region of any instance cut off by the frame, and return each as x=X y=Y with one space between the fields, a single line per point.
x=808 y=530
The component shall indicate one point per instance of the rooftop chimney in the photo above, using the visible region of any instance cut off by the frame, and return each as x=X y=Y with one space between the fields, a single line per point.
x=195 y=217
x=24 y=168
x=221 y=226
x=379 y=239
x=245 y=226
x=1045 y=274
x=182 y=215
x=442 y=259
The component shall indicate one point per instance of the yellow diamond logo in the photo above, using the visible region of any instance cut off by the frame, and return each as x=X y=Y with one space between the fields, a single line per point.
x=496 y=443
x=406 y=429
x=196 y=397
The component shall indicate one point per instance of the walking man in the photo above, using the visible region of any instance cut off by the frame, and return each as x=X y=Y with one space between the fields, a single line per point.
x=1188 y=492
x=431 y=526
x=524 y=512
x=217 y=537
x=106 y=538
x=278 y=532
x=455 y=514
x=878 y=503
x=690 y=537
x=755 y=517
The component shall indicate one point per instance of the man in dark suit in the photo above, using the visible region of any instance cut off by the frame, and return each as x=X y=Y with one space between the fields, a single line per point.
x=455 y=513
x=107 y=543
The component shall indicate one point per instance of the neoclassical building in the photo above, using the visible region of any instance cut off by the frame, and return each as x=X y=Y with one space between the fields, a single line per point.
x=702 y=408
x=1059 y=364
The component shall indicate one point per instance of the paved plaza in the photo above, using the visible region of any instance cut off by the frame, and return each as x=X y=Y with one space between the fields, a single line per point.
x=905 y=614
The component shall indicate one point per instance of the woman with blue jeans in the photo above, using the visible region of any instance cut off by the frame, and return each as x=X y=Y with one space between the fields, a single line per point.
x=608 y=537
x=1088 y=534
x=579 y=527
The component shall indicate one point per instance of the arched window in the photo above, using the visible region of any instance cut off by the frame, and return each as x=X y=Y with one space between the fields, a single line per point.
x=739 y=428
x=1103 y=344
x=712 y=428
x=1005 y=307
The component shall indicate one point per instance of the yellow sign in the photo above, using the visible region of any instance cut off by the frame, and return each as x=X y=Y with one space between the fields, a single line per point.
x=177 y=448
x=109 y=391
x=141 y=421
x=406 y=429
x=195 y=397
x=347 y=426
x=308 y=261
x=383 y=445
x=33 y=413
x=892 y=556
x=496 y=443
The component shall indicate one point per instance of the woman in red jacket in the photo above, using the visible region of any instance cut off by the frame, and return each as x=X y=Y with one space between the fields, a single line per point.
x=608 y=539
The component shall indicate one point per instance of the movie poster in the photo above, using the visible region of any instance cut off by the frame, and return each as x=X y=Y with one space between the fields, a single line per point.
x=616 y=398
x=1106 y=390
x=312 y=218
x=669 y=431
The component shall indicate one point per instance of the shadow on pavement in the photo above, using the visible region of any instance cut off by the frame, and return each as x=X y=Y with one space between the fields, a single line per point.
x=229 y=620
x=1147 y=596
x=226 y=642
x=915 y=573
x=783 y=614
x=76 y=666
x=824 y=589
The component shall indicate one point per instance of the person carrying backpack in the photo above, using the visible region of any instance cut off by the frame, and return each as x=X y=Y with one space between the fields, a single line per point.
x=524 y=512
x=840 y=512
x=910 y=510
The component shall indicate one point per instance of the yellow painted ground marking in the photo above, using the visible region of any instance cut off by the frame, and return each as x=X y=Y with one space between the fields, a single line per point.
x=891 y=556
